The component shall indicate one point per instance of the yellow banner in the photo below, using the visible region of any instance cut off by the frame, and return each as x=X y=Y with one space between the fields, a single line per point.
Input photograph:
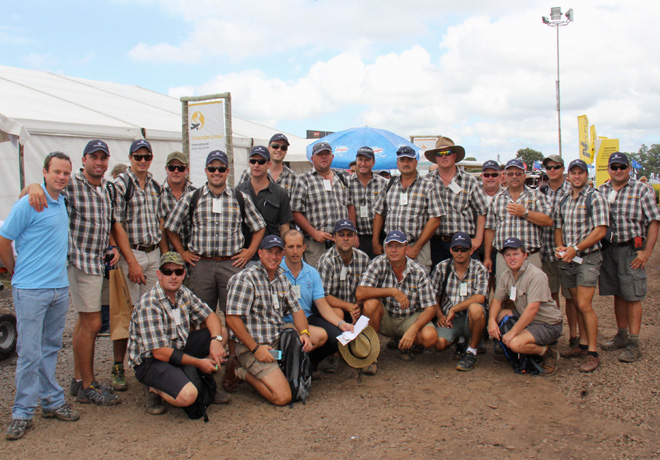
x=605 y=147
x=592 y=142
x=583 y=136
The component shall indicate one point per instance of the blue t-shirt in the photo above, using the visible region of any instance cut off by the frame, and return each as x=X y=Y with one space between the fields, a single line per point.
x=311 y=288
x=41 y=240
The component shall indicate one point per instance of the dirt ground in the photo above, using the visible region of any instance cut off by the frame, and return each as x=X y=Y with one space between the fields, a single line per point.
x=419 y=409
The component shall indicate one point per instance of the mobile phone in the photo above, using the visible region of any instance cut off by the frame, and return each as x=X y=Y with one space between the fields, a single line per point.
x=277 y=354
x=638 y=242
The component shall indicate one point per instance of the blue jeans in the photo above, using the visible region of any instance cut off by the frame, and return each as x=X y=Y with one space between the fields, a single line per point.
x=40 y=317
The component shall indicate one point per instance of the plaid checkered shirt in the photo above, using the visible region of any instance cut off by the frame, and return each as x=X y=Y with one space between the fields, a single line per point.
x=140 y=215
x=462 y=208
x=330 y=268
x=364 y=198
x=554 y=197
x=90 y=220
x=251 y=295
x=286 y=179
x=575 y=221
x=153 y=323
x=167 y=203
x=507 y=225
x=476 y=278
x=423 y=203
x=321 y=207
x=415 y=285
x=215 y=234
x=632 y=211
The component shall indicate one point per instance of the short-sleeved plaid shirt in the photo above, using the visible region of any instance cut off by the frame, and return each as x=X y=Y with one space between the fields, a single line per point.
x=575 y=221
x=475 y=277
x=321 y=207
x=462 y=208
x=507 y=225
x=153 y=324
x=331 y=268
x=415 y=285
x=364 y=198
x=167 y=203
x=632 y=211
x=140 y=215
x=423 y=203
x=252 y=296
x=215 y=234
x=90 y=220
x=286 y=179
x=554 y=197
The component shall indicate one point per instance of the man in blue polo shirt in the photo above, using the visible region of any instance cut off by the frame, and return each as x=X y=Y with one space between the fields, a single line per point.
x=41 y=296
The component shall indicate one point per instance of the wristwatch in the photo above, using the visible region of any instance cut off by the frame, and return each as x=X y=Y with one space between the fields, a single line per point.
x=526 y=214
x=218 y=338
x=576 y=249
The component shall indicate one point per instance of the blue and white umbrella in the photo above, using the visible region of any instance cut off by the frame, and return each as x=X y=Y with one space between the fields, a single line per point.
x=345 y=145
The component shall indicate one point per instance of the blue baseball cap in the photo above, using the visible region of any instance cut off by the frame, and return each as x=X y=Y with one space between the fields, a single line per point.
x=344 y=224
x=271 y=241
x=515 y=163
x=96 y=145
x=618 y=158
x=513 y=243
x=278 y=137
x=406 y=151
x=217 y=155
x=490 y=164
x=579 y=163
x=396 y=235
x=261 y=151
x=321 y=147
x=140 y=144
x=461 y=239
x=365 y=152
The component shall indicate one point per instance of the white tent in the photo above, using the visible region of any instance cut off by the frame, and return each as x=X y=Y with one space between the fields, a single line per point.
x=64 y=113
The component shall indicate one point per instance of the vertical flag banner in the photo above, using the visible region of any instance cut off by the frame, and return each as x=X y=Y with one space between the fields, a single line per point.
x=206 y=132
x=592 y=142
x=605 y=147
x=583 y=136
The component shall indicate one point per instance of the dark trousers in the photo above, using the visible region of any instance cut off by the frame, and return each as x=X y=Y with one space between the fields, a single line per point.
x=366 y=245
x=441 y=250
x=330 y=347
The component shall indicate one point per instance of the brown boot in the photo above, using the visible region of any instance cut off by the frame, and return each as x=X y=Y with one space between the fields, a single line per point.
x=590 y=364
x=550 y=359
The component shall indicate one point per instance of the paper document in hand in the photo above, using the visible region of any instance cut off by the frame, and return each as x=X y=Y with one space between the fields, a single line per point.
x=349 y=336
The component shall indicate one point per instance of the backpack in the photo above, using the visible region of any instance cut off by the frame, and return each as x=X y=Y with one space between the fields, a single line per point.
x=245 y=228
x=605 y=242
x=521 y=363
x=130 y=189
x=295 y=365
x=206 y=388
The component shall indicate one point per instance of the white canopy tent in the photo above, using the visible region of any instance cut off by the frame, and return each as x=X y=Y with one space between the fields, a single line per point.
x=64 y=113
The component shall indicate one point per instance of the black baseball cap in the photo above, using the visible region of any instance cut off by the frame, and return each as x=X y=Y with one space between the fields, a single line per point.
x=96 y=145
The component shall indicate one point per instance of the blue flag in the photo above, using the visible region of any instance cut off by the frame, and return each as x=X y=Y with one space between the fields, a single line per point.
x=636 y=165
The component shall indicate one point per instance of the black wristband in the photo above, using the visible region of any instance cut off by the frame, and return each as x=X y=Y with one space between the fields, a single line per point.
x=256 y=347
x=176 y=357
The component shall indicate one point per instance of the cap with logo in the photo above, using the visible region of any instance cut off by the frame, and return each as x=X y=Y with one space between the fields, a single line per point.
x=261 y=151
x=490 y=164
x=321 y=147
x=179 y=156
x=140 y=144
x=271 y=241
x=513 y=243
x=278 y=137
x=461 y=239
x=618 y=158
x=365 y=152
x=96 y=145
x=406 y=151
x=344 y=224
x=579 y=163
x=515 y=163
x=396 y=235
x=217 y=155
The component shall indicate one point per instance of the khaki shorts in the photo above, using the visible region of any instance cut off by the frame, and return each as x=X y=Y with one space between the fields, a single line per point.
x=553 y=271
x=584 y=274
x=252 y=365
x=85 y=290
x=396 y=327
x=616 y=276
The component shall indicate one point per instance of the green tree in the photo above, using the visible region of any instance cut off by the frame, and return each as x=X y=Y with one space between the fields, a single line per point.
x=529 y=156
x=470 y=159
x=649 y=158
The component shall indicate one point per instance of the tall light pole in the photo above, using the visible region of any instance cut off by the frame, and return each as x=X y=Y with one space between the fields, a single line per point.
x=556 y=21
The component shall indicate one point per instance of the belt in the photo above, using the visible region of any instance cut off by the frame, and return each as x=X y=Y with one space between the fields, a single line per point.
x=533 y=251
x=446 y=237
x=146 y=249
x=623 y=243
x=216 y=259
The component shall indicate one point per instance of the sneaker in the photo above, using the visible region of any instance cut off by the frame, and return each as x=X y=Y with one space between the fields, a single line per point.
x=371 y=369
x=618 y=341
x=118 y=378
x=331 y=365
x=575 y=352
x=590 y=364
x=17 y=427
x=550 y=359
x=573 y=342
x=153 y=402
x=65 y=413
x=631 y=353
x=76 y=385
x=96 y=395
x=467 y=362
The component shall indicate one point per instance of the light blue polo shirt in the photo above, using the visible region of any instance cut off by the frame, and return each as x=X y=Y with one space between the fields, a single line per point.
x=41 y=240
x=311 y=288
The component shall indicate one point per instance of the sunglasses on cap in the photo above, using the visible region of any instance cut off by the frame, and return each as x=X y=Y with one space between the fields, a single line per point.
x=180 y=168
x=490 y=174
x=517 y=174
x=553 y=167
x=617 y=167
x=176 y=271
x=281 y=147
x=213 y=169
x=460 y=249
x=443 y=153
x=147 y=157
x=254 y=161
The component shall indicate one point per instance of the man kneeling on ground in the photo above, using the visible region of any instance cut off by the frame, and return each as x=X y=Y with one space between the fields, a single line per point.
x=161 y=344
x=539 y=321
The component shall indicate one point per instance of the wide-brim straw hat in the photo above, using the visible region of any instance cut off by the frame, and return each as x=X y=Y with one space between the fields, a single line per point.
x=362 y=351
x=444 y=143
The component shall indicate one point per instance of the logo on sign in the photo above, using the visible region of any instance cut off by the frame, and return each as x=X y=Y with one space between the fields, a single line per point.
x=197 y=121
x=341 y=149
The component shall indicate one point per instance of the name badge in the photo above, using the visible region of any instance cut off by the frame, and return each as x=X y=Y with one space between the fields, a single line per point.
x=454 y=187
x=176 y=314
x=343 y=273
x=327 y=185
x=463 y=290
x=403 y=199
x=364 y=211
x=276 y=301
x=217 y=206
x=612 y=196
x=512 y=294
x=296 y=291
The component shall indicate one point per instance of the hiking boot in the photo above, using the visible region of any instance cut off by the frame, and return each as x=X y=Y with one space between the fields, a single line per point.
x=467 y=362
x=65 y=413
x=573 y=342
x=118 y=378
x=371 y=369
x=230 y=380
x=221 y=396
x=17 y=428
x=76 y=385
x=550 y=359
x=96 y=395
x=631 y=353
x=153 y=402
x=498 y=353
x=590 y=364
x=331 y=364
x=575 y=352
x=618 y=341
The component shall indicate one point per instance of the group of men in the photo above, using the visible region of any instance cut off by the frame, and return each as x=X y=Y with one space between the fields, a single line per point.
x=314 y=252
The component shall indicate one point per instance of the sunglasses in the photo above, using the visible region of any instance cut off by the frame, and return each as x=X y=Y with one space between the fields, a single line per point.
x=254 y=161
x=616 y=167
x=281 y=147
x=212 y=169
x=553 y=167
x=176 y=271
x=172 y=168
x=491 y=174
x=516 y=174
x=460 y=249
x=143 y=157
x=443 y=153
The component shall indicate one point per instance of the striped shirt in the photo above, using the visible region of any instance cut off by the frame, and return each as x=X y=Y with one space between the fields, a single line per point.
x=341 y=280
x=632 y=211
x=548 y=233
x=364 y=199
x=475 y=279
x=167 y=203
x=140 y=214
x=575 y=221
x=320 y=206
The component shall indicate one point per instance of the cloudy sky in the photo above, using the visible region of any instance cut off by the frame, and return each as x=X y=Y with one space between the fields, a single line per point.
x=479 y=71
